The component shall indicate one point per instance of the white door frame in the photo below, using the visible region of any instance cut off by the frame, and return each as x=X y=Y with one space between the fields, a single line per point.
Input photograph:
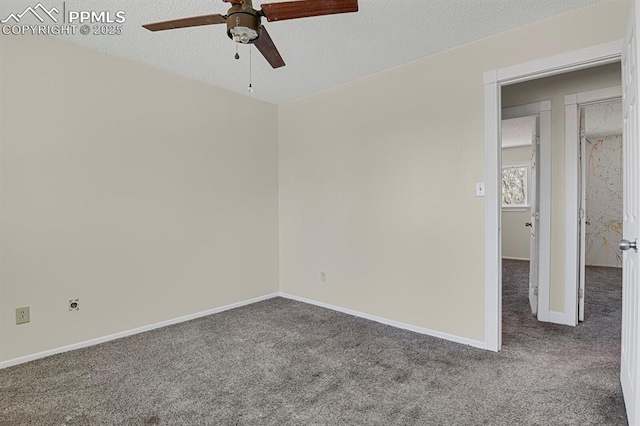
x=493 y=82
x=543 y=111
x=573 y=266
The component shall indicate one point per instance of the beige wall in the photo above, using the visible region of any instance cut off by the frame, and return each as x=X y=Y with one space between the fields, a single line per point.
x=554 y=89
x=135 y=190
x=377 y=179
x=516 y=237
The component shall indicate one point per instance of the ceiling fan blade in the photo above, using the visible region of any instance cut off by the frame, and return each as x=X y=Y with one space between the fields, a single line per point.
x=194 y=21
x=305 y=8
x=268 y=49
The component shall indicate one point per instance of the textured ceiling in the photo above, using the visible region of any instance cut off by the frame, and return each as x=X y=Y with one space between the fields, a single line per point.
x=321 y=52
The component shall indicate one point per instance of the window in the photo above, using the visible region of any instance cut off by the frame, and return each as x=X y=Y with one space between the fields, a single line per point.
x=514 y=186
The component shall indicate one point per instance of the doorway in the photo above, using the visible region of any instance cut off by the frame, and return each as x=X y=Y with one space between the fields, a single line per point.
x=525 y=196
x=554 y=258
x=494 y=82
x=594 y=209
x=601 y=193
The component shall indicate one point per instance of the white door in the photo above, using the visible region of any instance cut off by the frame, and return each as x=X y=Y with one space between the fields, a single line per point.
x=534 y=252
x=630 y=351
x=582 y=171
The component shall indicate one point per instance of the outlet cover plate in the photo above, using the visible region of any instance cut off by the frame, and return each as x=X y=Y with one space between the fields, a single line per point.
x=23 y=315
x=74 y=304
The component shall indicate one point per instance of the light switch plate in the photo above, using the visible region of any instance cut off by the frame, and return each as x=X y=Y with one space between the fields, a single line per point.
x=22 y=315
x=480 y=189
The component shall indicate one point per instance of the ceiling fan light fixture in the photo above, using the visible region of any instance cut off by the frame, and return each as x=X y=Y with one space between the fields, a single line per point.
x=243 y=35
x=243 y=24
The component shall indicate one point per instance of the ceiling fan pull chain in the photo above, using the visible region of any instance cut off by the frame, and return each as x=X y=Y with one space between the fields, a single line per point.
x=250 y=70
x=237 y=56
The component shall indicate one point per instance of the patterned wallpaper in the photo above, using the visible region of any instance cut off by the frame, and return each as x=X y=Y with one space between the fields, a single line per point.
x=604 y=201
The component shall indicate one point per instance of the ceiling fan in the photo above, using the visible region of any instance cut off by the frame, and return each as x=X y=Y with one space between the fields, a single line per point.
x=244 y=22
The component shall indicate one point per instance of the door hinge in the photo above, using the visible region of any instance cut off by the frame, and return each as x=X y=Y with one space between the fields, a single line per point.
x=581 y=293
x=581 y=133
x=581 y=214
x=534 y=290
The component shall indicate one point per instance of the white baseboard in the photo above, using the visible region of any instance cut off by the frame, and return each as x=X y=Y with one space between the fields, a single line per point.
x=103 y=339
x=397 y=324
x=98 y=340
x=558 y=318
x=515 y=258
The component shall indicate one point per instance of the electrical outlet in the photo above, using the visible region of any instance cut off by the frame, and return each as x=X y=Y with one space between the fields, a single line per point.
x=323 y=277
x=23 y=315
x=74 y=304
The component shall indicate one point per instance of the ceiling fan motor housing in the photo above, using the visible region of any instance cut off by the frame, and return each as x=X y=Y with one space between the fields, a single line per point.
x=243 y=24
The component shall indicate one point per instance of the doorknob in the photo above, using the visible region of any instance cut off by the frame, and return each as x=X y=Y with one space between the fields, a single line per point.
x=528 y=224
x=626 y=245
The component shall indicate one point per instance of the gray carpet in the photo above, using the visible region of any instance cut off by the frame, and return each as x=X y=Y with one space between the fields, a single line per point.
x=282 y=362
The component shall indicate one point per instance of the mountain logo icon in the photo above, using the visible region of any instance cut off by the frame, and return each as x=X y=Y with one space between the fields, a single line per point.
x=39 y=11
